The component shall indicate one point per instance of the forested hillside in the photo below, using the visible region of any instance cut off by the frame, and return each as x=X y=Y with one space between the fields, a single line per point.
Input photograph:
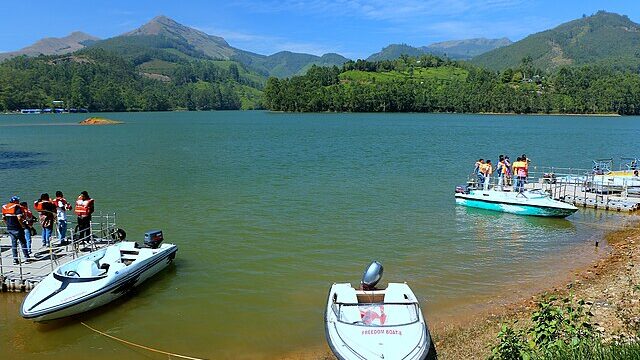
x=101 y=81
x=602 y=39
x=431 y=84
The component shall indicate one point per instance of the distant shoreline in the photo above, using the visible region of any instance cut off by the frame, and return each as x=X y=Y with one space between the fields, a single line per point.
x=346 y=112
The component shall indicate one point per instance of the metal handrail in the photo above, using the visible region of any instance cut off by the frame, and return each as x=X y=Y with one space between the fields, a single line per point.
x=104 y=229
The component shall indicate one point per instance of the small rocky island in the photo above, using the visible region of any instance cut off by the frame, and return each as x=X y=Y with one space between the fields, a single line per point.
x=99 y=121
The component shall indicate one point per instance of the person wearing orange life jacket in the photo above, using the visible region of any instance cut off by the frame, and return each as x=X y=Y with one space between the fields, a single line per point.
x=27 y=221
x=520 y=171
x=47 y=217
x=61 y=214
x=487 y=169
x=12 y=214
x=84 y=209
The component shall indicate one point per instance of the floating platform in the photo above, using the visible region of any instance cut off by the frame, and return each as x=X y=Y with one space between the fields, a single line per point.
x=26 y=275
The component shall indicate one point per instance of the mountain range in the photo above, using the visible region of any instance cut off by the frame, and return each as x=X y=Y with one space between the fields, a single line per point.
x=454 y=49
x=159 y=45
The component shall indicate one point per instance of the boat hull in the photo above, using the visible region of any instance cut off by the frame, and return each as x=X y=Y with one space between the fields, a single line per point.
x=545 y=207
x=103 y=293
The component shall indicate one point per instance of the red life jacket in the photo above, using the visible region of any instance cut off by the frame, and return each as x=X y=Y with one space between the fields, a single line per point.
x=10 y=209
x=84 y=207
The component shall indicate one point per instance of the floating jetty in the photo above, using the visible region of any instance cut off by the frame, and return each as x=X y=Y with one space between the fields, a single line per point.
x=26 y=275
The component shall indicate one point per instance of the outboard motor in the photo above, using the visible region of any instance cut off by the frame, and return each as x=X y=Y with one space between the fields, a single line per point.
x=372 y=275
x=153 y=238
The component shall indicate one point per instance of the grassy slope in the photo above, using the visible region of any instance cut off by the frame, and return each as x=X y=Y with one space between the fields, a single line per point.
x=444 y=73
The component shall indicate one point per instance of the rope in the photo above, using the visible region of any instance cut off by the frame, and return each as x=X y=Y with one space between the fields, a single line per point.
x=140 y=346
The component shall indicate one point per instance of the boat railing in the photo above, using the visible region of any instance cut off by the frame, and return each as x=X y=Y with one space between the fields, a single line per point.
x=103 y=232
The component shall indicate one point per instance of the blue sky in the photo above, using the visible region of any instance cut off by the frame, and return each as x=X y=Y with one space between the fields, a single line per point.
x=355 y=29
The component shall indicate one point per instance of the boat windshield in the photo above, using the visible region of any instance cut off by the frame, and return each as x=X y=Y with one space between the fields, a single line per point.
x=377 y=314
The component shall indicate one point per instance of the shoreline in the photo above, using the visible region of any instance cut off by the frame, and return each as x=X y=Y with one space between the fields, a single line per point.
x=335 y=112
x=605 y=284
x=472 y=334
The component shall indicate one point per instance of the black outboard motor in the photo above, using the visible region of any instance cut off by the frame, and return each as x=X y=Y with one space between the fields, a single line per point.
x=372 y=275
x=153 y=238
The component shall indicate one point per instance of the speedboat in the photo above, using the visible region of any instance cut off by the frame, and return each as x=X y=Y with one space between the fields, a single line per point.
x=97 y=278
x=371 y=323
x=528 y=202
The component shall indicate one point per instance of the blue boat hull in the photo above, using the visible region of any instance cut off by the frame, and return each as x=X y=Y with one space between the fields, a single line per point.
x=516 y=209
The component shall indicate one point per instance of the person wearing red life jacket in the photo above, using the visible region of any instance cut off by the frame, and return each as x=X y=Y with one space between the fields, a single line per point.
x=61 y=214
x=12 y=214
x=27 y=221
x=47 y=217
x=84 y=209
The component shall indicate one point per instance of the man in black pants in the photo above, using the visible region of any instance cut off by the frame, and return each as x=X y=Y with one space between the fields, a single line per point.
x=84 y=209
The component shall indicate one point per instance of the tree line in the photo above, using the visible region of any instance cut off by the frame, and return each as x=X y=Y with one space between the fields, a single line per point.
x=525 y=89
x=101 y=81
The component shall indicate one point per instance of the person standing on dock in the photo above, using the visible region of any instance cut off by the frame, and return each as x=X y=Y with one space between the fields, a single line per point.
x=12 y=216
x=47 y=211
x=488 y=169
x=500 y=169
x=27 y=221
x=61 y=214
x=520 y=170
x=84 y=209
x=477 y=170
x=507 y=168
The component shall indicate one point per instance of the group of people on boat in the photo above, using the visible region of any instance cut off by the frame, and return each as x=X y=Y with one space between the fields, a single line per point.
x=19 y=220
x=505 y=170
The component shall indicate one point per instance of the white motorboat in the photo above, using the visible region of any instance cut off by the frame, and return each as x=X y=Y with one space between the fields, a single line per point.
x=97 y=278
x=536 y=203
x=371 y=323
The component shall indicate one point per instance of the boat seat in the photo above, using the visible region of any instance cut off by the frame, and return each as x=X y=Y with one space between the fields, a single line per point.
x=347 y=295
x=399 y=314
x=88 y=268
x=111 y=256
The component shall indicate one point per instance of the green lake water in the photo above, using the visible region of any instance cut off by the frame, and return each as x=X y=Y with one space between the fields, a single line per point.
x=270 y=209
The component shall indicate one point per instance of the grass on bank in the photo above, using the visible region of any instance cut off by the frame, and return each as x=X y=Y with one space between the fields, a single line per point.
x=560 y=329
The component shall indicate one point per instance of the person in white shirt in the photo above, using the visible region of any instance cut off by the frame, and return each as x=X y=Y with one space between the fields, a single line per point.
x=61 y=214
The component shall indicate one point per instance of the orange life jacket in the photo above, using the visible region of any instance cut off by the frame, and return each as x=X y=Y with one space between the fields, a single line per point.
x=84 y=207
x=39 y=205
x=10 y=209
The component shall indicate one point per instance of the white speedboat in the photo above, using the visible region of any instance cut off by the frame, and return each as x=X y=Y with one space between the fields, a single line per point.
x=97 y=278
x=536 y=203
x=376 y=323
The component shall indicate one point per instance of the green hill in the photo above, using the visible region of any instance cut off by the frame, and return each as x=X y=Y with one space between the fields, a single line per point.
x=598 y=39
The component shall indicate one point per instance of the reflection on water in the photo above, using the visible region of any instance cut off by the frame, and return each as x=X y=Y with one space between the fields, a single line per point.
x=13 y=160
x=269 y=210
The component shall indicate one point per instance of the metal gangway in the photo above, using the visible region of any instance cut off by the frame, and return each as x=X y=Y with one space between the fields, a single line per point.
x=27 y=273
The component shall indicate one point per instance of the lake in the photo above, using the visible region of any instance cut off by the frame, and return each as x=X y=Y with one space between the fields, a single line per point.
x=270 y=209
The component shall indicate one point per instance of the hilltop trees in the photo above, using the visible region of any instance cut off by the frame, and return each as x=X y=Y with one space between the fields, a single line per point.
x=431 y=84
